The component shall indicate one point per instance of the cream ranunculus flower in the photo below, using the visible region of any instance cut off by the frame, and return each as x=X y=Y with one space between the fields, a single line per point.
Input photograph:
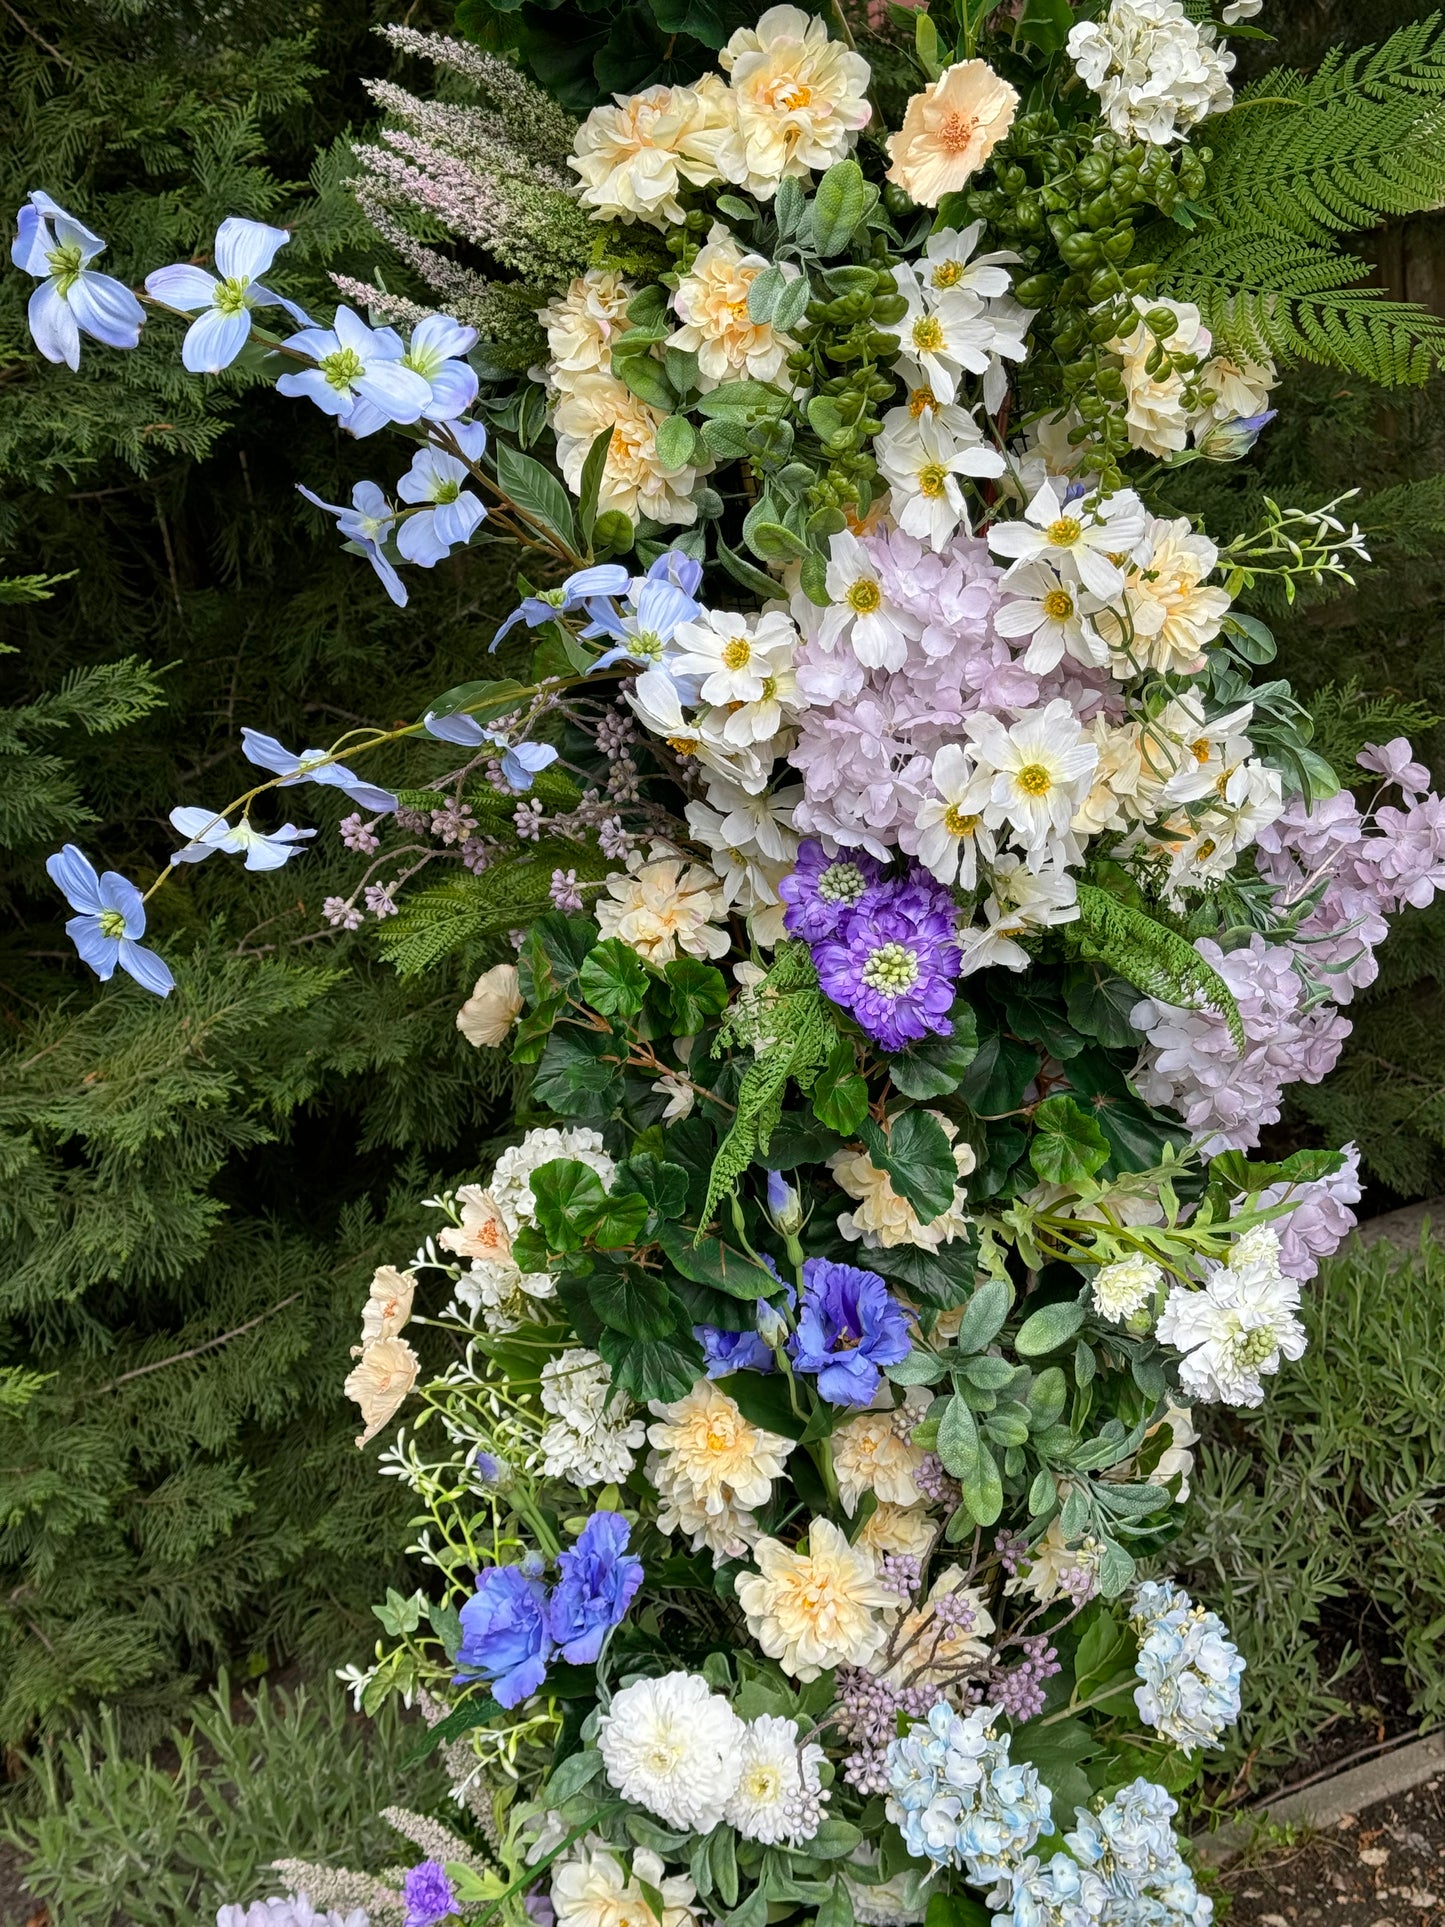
x=635 y=155
x=897 y=1528
x=949 y=131
x=800 y=97
x=493 y=1007
x=719 y=1455
x=712 y=304
x=874 y=1453
x=664 y=906
x=1241 y=388
x=380 y=1382
x=881 y=1218
x=1173 y=615
x=1154 y=404
x=594 y=1890
x=816 y=1609
x=934 y=1649
x=387 y=1307
x=634 y=480
x=581 y=326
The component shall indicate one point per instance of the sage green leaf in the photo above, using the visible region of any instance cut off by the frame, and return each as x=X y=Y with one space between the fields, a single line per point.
x=1049 y=1327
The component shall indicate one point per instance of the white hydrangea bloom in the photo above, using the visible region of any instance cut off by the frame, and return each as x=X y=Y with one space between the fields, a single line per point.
x=1156 y=73
x=591 y=1441
x=1234 y=1331
x=511 y=1186
x=674 y=1746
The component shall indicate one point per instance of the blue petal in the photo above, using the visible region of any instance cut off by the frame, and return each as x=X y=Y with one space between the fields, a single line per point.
x=390 y=580
x=601 y=579
x=32 y=245
x=73 y=874
x=463 y=730
x=150 y=971
x=52 y=326
x=182 y=286
x=120 y=894
x=453 y=390
x=267 y=753
x=100 y=952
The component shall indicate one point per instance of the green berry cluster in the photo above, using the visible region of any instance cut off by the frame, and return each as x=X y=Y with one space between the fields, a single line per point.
x=839 y=350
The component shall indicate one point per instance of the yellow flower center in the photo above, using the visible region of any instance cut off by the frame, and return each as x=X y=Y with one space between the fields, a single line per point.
x=1034 y=780
x=791 y=94
x=1064 y=532
x=956 y=132
x=928 y=334
x=863 y=597
x=922 y=401
x=1200 y=750
x=1058 y=605
x=947 y=274
x=737 y=654
x=932 y=480
x=762 y=1784
x=682 y=745
x=719 y=1436
x=959 y=823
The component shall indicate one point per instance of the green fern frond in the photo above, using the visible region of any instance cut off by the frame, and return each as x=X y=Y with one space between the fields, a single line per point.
x=465 y=910
x=1156 y=960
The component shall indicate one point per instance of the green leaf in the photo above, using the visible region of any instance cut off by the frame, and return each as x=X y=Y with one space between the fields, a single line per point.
x=958 y=1440
x=838 y=206
x=1048 y=1328
x=942 y=1278
x=647 y=380
x=984 y=1316
x=752 y=399
x=618 y=1221
x=1044 y=24
x=983 y=1487
x=552 y=957
x=574 y=1079
x=569 y=1776
x=918 y=1158
x=613 y=979
x=461 y=1720
x=483 y=701
x=1067 y=1144
x=696 y=991
x=1100 y=1005
x=986 y=1372
x=930 y=59
x=676 y=442
x=995 y=1082
x=647 y=1368
x=934 y=1068
x=837 y=1909
x=839 y=1094
x=957 y=1910
x=632 y=1302
x=834 y=1840
x=792 y=303
x=536 y=489
x=662 y=1184
x=763 y=1400
x=591 y=483
x=774 y=543
x=763 y=293
x=568 y=1197
x=742 y=571
x=716 y=1263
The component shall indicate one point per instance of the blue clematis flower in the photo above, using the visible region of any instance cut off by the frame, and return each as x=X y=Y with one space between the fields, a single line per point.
x=207 y=833
x=505 y=1636
x=312 y=767
x=849 y=1327
x=112 y=916
x=244 y=251
x=432 y=353
x=367 y=523
x=439 y=479
x=655 y=608
x=597 y=579
x=355 y=364
x=597 y=1579
x=72 y=299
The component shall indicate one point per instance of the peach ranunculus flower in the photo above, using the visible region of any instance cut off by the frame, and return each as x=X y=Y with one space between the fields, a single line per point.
x=581 y=325
x=493 y=1007
x=665 y=906
x=634 y=480
x=387 y=1307
x=712 y=305
x=949 y=131
x=816 y=1609
x=381 y=1381
x=800 y=97
x=635 y=156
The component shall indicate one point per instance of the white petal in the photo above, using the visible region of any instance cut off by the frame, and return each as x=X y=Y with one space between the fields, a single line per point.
x=245 y=249
x=182 y=286
x=52 y=326
x=214 y=340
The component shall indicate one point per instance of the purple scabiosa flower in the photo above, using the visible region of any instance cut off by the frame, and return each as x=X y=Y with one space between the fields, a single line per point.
x=428 y=1893
x=596 y=1581
x=849 y=1327
x=504 y=1633
x=894 y=962
x=823 y=889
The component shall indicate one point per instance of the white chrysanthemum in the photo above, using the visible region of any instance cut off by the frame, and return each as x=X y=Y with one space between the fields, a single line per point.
x=881 y=1217
x=1234 y=1332
x=1154 y=401
x=716 y=1453
x=674 y=1746
x=874 y=1453
x=511 y=1186
x=663 y=906
x=582 y=324
x=1156 y=73
x=897 y=1528
x=800 y=97
x=712 y=304
x=936 y=1649
x=1087 y=540
x=594 y=1433
x=1168 y=615
x=592 y=1888
x=816 y=1609
x=634 y=479
x=634 y=155
x=779 y=1796
x=1125 y=1287
x=1042 y=767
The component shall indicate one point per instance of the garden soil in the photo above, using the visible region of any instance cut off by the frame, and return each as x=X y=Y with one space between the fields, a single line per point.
x=1381 y=1868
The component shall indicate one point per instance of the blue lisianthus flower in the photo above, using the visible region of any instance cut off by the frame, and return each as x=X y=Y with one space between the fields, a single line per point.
x=596 y=1581
x=849 y=1327
x=72 y=299
x=894 y=962
x=112 y=916
x=822 y=890
x=367 y=523
x=504 y=1633
x=354 y=364
x=244 y=251
x=429 y=1894
x=433 y=353
x=207 y=833
x=312 y=766
x=439 y=480
x=726 y=1352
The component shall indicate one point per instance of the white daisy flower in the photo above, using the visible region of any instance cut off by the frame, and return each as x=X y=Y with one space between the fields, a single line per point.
x=922 y=462
x=1057 y=617
x=952 y=825
x=944 y=334
x=1042 y=768
x=948 y=263
x=1081 y=539
x=861 y=615
x=1021 y=902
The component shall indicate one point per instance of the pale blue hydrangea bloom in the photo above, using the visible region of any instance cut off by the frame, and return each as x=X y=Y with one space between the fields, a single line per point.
x=243 y=252
x=263 y=849
x=367 y=523
x=72 y=298
x=112 y=916
x=1132 y=1847
x=958 y=1799
x=1189 y=1667
x=295 y=1910
x=1054 y=1893
x=452 y=513
x=312 y=766
x=356 y=364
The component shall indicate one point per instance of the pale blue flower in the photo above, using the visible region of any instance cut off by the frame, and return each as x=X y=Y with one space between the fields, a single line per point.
x=207 y=833
x=597 y=579
x=244 y=250
x=355 y=364
x=433 y=351
x=312 y=766
x=1229 y=441
x=643 y=632
x=367 y=523
x=1189 y=1667
x=112 y=917
x=958 y=1799
x=72 y=299
x=439 y=479
x=1133 y=1849
x=520 y=761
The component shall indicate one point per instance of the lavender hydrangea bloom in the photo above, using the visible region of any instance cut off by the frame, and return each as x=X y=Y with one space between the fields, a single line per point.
x=429 y=1894
x=849 y=1327
x=1320 y=1220
x=823 y=890
x=597 y=1579
x=505 y=1636
x=895 y=961
x=295 y=1910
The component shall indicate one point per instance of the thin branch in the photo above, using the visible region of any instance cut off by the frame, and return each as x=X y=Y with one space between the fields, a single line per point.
x=195 y=1351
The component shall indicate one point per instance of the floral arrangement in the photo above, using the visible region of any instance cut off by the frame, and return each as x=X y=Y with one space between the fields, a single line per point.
x=916 y=915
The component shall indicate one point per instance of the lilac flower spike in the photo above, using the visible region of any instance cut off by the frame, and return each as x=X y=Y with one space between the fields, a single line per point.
x=112 y=916
x=209 y=832
x=367 y=523
x=357 y=364
x=71 y=300
x=244 y=251
x=452 y=512
x=312 y=766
